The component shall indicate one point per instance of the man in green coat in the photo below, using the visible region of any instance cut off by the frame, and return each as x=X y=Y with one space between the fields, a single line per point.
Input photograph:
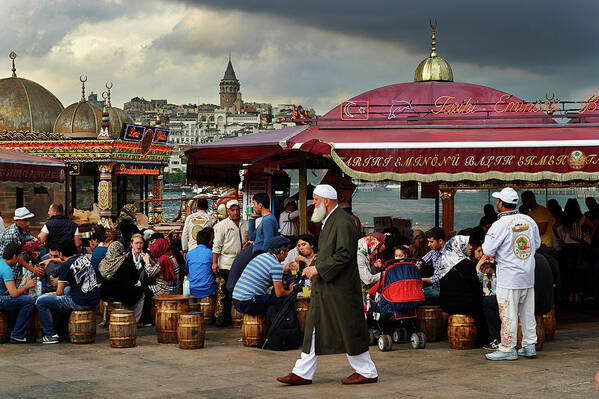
x=335 y=322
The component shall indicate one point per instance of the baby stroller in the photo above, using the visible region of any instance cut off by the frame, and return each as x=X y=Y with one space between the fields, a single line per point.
x=391 y=305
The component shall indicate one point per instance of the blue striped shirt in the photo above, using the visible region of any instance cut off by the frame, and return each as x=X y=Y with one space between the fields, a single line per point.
x=258 y=275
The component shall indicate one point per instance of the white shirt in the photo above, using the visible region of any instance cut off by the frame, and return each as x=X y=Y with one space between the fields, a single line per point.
x=513 y=240
x=288 y=224
x=2 y=228
x=228 y=240
x=193 y=224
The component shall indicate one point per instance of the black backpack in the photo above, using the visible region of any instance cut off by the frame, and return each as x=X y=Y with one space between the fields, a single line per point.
x=287 y=335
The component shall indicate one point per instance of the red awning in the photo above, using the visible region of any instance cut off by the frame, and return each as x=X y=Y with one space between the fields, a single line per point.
x=24 y=168
x=456 y=153
x=221 y=160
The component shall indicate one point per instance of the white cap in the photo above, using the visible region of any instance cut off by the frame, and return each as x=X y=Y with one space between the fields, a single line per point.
x=325 y=191
x=23 y=213
x=147 y=234
x=231 y=203
x=507 y=195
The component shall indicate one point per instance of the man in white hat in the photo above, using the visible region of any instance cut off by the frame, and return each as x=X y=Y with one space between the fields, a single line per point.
x=513 y=240
x=230 y=236
x=335 y=322
x=17 y=233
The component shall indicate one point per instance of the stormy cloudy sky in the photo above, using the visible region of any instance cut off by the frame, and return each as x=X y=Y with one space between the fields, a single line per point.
x=313 y=52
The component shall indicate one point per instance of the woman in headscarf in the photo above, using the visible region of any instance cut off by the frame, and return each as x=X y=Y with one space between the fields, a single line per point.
x=165 y=272
x=125 y=224
x=120 y=279
x=461 y=290
x=419 y=246
x=370 y=262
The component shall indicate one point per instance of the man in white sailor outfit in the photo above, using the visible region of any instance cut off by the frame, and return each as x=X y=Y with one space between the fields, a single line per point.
x=513 y=240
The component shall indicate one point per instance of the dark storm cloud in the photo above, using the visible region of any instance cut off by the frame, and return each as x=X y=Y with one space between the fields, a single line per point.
x=33 y=28
x=545 y=35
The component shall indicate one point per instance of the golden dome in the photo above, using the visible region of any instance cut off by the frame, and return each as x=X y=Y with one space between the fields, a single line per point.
x=81 y=119
x=433 y=68
x=117 y=118
x=26 y=105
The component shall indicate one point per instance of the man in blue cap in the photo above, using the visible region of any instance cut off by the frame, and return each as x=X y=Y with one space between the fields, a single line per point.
x=250 y=293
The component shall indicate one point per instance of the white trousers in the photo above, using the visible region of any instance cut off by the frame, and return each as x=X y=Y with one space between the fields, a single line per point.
x=513 y=303
x=305 y=366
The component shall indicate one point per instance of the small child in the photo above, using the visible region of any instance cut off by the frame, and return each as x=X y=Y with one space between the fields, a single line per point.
x=401 y=252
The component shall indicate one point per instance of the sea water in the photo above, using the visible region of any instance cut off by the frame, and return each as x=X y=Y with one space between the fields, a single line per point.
x=378 y=201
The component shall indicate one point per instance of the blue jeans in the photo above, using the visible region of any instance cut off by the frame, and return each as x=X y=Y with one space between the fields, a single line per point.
x=24 y=304
x=48 y=301
x=431 y=295
x=257 y=304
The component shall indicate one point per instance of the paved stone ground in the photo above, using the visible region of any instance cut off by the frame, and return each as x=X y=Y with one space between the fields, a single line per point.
x=225 y=369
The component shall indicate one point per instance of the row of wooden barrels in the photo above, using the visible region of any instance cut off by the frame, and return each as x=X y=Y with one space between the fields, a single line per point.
x=461 y=330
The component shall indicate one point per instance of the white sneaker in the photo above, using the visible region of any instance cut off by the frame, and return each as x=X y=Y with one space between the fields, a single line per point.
x=50 y=339
x=528 y=351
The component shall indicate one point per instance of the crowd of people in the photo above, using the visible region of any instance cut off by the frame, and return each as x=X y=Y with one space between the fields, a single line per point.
x=514 y=262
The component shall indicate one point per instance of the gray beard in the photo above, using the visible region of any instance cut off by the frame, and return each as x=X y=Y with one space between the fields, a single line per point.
x=319 y=214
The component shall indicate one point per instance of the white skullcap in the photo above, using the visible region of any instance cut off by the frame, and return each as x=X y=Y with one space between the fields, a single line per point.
x=231 y=203
x=325 y=191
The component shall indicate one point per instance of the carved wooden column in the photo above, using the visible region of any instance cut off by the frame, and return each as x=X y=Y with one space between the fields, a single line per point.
x=105 y=194
x=447 y=198
x=157 y=188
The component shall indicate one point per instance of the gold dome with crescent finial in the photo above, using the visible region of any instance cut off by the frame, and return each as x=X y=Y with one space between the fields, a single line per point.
x=433 y=68
x=82 y=119
x=26 y=105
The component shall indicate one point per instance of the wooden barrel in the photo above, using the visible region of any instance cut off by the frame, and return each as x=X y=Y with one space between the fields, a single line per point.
x=3 y=327
x=112 y=306
x=194 y=306
x=190 y=331
x=34 y=328
x=82 y=326
x=429 y=320
x=207 y=308
x=122 y=329
x=550 y=324
x=236 y=317
x=461 y=331
x=540 y=334
x=253 y=329
x=168 y=309
x=302 y=305
x=153 y=310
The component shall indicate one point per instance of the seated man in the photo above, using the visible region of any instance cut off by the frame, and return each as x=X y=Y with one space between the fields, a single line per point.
x=77 y=289
x=198 y=266
x=51 y=263
x=436 y=243
x=13 y=298
x=265 y=270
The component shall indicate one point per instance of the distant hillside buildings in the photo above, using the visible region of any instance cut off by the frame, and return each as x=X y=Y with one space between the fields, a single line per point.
x=194 y=124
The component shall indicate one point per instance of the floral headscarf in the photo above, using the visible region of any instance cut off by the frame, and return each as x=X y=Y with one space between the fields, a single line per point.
x=367 y=245
x=115 y=256
x=454 y=252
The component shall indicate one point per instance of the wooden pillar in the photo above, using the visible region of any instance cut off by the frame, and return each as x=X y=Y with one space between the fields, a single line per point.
x=141 y=193
x=157 y=189
x=105 y=194
x=303 y=200
x=447 y=198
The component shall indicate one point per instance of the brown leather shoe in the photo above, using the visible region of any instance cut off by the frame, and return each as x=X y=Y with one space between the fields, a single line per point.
x=356 y=378
x=293 y=379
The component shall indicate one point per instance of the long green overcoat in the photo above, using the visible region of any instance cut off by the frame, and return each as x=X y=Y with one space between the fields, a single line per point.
x=336 y=311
